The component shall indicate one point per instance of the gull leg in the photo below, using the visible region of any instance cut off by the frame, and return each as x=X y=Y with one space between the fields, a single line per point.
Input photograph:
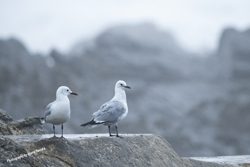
x=54 y=137
x=54 y=130
x=110 y=131
x=117 y=132
x=62 y=133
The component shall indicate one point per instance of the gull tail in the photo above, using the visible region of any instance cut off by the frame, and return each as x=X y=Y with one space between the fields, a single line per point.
x=91 y=124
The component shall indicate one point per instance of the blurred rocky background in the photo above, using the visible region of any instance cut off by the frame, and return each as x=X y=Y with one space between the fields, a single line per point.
x=199 y=103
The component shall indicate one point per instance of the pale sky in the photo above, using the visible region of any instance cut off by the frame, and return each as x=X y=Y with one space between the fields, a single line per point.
x=45 y=24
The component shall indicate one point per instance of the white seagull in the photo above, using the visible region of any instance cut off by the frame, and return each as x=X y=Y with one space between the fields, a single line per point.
x=112 y=112
x=58 y=112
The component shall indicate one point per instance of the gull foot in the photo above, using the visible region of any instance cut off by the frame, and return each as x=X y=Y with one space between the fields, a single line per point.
x=119 y=136
x=54 y=138
x=63 y=138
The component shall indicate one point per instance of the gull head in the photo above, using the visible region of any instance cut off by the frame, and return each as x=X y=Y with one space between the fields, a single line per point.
x=64 y=90
x=121 y=85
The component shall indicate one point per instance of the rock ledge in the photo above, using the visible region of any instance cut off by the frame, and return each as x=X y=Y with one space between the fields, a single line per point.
x=92 y=150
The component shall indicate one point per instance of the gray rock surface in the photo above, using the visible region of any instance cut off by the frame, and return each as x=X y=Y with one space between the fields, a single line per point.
x=242 y=160
x=4 y=119
x=27 y=125
x=97 y=150
x=93 y=150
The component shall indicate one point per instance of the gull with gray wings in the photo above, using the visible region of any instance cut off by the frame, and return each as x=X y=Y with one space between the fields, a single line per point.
x=112 y=112
x=58 y=112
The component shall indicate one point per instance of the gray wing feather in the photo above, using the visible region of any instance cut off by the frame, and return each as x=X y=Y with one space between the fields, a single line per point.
x=101 y=109
x=48 y=110
x=109 y=112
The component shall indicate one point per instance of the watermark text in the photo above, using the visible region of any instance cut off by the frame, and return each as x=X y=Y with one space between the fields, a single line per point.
x=25 y=155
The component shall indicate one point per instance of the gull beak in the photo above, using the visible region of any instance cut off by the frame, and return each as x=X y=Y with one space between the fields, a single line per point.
x=74 y=93
x=127 y=87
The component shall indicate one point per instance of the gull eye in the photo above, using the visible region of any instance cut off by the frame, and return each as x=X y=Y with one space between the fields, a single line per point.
x=67 y=90
x=121 y=84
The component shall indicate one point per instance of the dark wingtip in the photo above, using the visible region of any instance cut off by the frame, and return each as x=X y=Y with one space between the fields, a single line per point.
x=92 y=122
x=85 y=124
x=42 y=120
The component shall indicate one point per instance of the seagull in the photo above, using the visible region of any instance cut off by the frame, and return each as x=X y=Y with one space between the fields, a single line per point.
x=112 y=112
x=58 y=112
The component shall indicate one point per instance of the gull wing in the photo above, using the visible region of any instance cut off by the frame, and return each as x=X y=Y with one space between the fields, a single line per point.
x=48 y=111
x=110 y=112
